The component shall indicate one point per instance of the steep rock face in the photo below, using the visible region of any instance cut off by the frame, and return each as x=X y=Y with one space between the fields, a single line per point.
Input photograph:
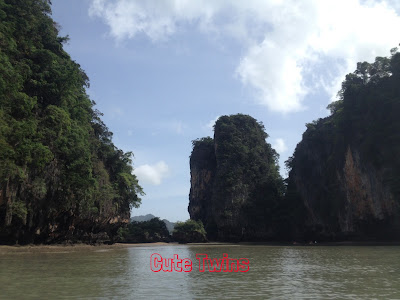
x=235 y=183
x=345 y=171
x=202 y=173
x=366 y=194
x=61 y=177
x=351 y=201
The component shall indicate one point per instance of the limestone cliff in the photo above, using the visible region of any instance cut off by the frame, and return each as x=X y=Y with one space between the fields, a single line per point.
x=202 y=171
x=345 y=171
x=61 y=177
x=235 y=183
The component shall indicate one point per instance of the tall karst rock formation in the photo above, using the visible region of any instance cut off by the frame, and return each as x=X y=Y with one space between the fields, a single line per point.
x=346 y=170
x=61 y=177
x=235 y=183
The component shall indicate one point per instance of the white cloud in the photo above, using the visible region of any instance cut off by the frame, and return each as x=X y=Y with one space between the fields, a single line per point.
x=209 y=125
x=175 y=126
x=152 y=174
x=178 y=126
x=285 y=42
x=115 y=112
x=396 y=5
x=170 y=126
x=279 y=145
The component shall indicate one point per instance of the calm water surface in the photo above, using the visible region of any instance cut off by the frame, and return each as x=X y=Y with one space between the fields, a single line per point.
x=276 y=272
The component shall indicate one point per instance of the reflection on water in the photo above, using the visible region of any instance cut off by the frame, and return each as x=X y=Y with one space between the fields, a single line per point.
x=275 y=272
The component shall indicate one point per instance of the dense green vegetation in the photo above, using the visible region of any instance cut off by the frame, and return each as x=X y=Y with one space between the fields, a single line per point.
x=344 y=176
x=62 y=178
x=60 y=173
x=154 y=230
x=190 y=231
x=248 y=173
x=346 y=170
x=148 y=217
x=246 y=188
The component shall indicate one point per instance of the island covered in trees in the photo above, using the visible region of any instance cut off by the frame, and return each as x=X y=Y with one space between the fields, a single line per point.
x=62 y=178
x=344 y=176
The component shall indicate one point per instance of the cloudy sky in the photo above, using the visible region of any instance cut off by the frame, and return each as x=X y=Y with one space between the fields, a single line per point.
x=162 y=72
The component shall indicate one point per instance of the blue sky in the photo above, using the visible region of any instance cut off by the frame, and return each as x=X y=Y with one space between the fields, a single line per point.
x=163 y=71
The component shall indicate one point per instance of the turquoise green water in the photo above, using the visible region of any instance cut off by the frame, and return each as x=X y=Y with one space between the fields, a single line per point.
x=276 y=272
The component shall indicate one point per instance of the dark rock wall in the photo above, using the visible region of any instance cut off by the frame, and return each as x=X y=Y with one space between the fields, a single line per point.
x=234 y=181
x=202 y=172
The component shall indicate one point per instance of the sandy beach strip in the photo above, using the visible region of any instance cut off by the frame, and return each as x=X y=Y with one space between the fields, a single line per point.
x=4 y=249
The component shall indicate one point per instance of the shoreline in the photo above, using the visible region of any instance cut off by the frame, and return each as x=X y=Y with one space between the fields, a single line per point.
x=72 y=247
x=79 y=247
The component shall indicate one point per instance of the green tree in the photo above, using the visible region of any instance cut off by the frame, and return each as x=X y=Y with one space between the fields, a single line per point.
x=190 y=231
x=347 y=159
x=58 y=165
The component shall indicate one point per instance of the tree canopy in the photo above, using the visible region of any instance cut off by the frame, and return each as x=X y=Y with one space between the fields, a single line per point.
x=346 y=165
x=56 y=155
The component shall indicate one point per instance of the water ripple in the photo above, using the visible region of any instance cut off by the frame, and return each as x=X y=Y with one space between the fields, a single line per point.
x=275 y=273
